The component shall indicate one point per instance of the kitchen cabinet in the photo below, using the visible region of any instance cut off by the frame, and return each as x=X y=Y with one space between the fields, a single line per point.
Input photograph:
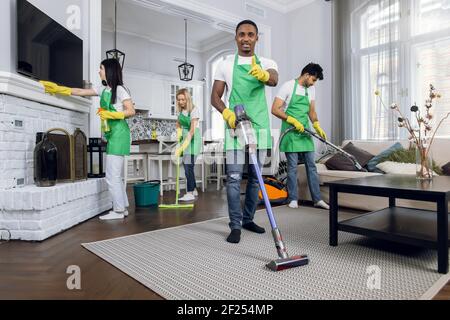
x=159 y=99
x=139 y=85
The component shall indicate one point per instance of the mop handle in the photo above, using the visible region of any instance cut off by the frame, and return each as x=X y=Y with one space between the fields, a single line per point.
x=263 y=190
x=178 y=181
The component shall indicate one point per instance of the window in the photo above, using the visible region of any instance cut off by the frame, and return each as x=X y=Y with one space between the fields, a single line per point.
x=399 y=47
x=216 y=128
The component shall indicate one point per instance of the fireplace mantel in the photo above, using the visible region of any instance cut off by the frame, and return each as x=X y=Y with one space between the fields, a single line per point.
x=23 y=87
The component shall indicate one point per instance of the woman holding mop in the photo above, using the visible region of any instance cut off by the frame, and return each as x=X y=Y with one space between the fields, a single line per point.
x=115 y=106
x=188 y=133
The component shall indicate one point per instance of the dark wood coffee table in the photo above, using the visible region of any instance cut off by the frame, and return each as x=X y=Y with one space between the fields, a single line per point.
x=416 y=227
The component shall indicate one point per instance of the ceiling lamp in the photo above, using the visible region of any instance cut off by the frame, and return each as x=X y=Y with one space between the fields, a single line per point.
x=186 y=70
x=114 y=53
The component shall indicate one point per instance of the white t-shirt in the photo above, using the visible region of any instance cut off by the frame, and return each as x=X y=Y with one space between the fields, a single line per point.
x=285 y=92
x=122 y=95
x=195 y=114
x=225 y=69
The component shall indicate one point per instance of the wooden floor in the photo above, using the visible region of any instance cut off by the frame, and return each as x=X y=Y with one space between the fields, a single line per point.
x=38 y=270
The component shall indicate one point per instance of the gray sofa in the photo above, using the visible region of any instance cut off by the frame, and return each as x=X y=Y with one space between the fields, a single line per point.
x=440 y=152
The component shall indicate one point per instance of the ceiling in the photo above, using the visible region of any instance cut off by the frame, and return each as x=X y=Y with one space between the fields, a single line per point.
x=284 y=6
x=162 y=24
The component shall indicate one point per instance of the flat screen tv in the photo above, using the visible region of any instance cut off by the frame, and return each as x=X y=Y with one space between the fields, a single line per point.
x=45 y=49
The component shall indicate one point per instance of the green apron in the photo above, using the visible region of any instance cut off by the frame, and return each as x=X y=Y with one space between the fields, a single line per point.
x=250 y=92
x=299 y=109
x=119 y=137
x=196 y=142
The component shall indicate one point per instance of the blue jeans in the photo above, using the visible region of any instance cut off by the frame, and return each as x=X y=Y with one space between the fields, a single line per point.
x=235 y=160
x=311 y=173
x=189 y=165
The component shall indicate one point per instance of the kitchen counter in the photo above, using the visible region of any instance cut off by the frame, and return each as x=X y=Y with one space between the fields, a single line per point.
x=137 y=143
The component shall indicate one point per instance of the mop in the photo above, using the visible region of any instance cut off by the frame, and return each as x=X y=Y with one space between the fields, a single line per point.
x=177 y=205
x=245 y=130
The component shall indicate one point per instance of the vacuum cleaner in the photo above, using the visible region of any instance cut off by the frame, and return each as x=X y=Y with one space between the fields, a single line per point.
x=245 y=130
x=328 y=143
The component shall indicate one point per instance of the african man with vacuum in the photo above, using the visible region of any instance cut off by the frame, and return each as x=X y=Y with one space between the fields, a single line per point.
x=244 y=76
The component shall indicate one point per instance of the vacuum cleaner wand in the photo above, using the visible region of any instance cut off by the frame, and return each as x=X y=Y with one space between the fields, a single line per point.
x=245 y=130
x=340 y=150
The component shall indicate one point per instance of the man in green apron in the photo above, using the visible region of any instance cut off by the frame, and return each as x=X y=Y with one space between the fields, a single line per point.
x=299 y=97
x=244 y=76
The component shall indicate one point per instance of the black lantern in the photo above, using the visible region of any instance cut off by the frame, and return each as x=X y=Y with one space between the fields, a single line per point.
x=114 y=53
x=96 y=150
x=186 y=70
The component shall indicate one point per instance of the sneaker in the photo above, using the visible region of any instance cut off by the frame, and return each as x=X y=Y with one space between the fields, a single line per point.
x=112 y=216
x=187 y=197
x=293 y=205
x=195 y=193
x=125 y=213
x=322 y=204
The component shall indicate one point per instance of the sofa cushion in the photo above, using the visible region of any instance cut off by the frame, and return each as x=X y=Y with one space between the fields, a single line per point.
x=446 y=169
x=340 y=162
x=391 y=167
x=372 y=164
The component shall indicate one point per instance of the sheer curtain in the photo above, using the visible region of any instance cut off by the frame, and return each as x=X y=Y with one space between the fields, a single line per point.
x=397 y=47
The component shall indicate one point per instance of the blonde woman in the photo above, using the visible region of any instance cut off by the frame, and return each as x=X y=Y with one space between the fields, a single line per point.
x=188 y=133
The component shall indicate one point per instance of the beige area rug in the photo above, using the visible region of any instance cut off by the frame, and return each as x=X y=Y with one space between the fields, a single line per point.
x=195 y=262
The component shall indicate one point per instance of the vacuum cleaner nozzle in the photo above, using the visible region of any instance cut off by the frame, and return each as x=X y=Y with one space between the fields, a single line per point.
x=288 y=263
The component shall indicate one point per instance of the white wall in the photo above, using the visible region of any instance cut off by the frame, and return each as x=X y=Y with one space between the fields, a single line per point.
x=310 y=40
x=141 y=54
x=57 y=10
x=7 y=47
x=231 y=45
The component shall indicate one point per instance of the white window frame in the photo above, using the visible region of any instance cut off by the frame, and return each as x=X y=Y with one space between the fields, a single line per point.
x=407 y=77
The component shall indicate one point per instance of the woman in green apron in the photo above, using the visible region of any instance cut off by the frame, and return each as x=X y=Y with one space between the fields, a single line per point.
x=115 y=106
x=298 y=144
x=188 y=133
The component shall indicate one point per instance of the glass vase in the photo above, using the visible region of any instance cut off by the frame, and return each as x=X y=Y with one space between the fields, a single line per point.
x=424 y=164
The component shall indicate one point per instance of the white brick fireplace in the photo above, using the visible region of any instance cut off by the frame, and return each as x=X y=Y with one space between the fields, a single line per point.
x=26 y=211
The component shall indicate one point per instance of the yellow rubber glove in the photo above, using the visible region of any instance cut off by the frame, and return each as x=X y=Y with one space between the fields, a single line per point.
x=258 y=72
x=52 y=88
x=297 y=124
x=319 y=130
x=230 y=117
x=182 y=148
x=179 y=134
x=110 y=115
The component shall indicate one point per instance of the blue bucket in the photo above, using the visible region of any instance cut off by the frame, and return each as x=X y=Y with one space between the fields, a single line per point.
x=147 y=194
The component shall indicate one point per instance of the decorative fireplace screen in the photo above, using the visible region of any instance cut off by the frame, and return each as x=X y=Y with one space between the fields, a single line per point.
x=72 y=154
x=80 y=155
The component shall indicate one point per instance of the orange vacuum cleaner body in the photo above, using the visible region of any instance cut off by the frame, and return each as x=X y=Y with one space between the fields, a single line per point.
x=276 y=190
